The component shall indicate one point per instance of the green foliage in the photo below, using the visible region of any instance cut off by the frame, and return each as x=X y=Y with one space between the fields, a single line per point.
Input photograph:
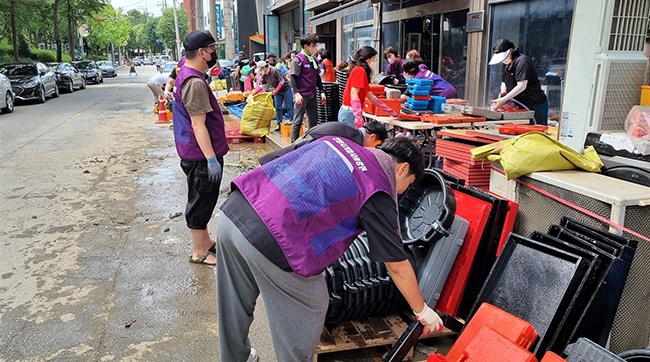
x=166 y=27
x=23 y=47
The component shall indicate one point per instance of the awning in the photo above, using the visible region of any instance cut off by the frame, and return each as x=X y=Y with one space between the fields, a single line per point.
x=345 y=9
x=257 y=38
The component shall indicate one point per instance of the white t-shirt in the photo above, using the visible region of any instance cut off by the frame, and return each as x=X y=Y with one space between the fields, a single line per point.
x=160 y=79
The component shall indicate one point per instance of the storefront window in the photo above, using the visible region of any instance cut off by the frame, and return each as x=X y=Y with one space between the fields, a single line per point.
x=357 y=31
x=390 y=38
x=541 y=30
x=453 y=58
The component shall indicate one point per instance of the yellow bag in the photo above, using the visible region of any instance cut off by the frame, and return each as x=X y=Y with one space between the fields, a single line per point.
x=535 y=151
x=257 y=115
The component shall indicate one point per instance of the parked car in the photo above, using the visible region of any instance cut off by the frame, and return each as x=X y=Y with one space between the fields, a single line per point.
x=147 y=61
x=168 y=67
x=69 y=78
x=107 y=68
x=6 y=102
x=137 y=60
x=90 y=70
x=31 y=80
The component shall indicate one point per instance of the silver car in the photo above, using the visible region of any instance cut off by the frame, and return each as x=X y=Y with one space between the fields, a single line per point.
x=6 y=102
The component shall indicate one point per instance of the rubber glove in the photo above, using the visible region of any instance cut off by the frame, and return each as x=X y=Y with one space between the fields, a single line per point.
x=168 y=95
x=323 y=100
x=379 y=103
x=430 y=319
x=356 y=110
x=214 y=170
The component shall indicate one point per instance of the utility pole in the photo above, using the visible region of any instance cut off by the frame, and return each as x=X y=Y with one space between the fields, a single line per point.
x=227 y=22
x=213 y=17
x=178 y=38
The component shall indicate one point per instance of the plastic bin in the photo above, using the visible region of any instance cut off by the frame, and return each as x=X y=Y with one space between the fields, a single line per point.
x=419 y=81
x=552 y=357
x=435 y=104
x=421 y=91
x=490 y=346
x=511 y=327
x=585 y=350
x=645 y=95
x=394 y=104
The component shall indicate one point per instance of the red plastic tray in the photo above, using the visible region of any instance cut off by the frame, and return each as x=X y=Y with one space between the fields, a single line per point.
x=516 y=129
x=476 y=212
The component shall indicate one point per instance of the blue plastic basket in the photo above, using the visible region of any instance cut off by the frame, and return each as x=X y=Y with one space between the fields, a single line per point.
x=418 y=81
x=435 y=104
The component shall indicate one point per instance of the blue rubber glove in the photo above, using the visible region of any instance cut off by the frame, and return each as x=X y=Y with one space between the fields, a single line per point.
x=214 y=170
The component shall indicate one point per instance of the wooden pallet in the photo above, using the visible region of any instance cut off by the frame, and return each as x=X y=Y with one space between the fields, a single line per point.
x=363 y=333
x=234 y=137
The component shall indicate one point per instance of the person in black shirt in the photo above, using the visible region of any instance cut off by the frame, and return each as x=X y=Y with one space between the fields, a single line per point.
x=519 y=80
x=372 y=134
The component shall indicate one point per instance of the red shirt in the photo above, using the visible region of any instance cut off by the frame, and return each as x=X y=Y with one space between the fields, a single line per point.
x=357 y=79
x=330 y=76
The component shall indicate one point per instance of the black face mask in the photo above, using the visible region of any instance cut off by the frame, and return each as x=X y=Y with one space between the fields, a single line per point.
x=213 y=60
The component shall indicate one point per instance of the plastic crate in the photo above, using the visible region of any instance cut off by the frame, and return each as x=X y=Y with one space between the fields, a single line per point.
x=421 y=91
x=490 y=346
x=368 y=107
x=419 y=81
x=435 y=104
x=414 y=102
x=552 y=357
x=512 y=328
x=285 y=129
x=394 y=104
x=585 y=350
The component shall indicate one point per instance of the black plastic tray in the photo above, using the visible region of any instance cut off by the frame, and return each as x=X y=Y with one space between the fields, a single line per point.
x=536 y=283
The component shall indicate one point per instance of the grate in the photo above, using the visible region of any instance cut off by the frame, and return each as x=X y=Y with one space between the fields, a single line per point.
x=623 y=90
x=631 y=328
x=629 y=25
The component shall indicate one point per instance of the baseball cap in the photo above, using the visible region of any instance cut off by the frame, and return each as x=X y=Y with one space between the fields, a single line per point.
x=501 y=49
x=261 y=64
x=198 y=39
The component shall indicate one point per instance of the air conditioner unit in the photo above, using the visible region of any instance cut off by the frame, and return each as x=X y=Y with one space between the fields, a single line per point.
x=605 y=67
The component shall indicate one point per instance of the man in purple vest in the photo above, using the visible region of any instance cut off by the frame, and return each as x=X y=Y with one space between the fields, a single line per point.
x=306 y=84
x=286 y=221
x=200 y=140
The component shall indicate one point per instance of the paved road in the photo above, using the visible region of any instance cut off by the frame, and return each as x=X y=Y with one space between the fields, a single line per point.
x=93 y=261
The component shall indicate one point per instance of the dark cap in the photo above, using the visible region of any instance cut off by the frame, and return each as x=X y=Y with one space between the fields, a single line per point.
x=501 y=51
x=198 y=39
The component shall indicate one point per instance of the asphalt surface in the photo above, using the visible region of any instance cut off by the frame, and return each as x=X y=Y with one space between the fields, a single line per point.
x=94 y=249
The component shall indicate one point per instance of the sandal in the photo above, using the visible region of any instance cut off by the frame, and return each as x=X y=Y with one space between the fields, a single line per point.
x=213 y=248
x=201 y=259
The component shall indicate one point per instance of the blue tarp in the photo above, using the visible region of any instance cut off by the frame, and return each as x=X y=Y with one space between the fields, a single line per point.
x=237 y=110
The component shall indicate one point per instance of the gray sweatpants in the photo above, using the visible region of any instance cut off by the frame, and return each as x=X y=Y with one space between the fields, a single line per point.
x=310 y=106
x=295 y=305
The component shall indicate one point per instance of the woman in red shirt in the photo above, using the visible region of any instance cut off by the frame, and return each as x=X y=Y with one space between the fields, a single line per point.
x=327 y=67
x=357 y=89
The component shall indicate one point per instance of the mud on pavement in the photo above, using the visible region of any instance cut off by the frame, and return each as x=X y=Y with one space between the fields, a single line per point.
x=94 y=263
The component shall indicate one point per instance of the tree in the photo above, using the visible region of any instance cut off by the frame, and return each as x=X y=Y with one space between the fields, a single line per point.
x=108 y=27
x=166 y=27
x=150 y=36
x=77 y=11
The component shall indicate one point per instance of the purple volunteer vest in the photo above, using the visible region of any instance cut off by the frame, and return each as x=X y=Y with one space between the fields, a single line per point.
x=310 y=198
x=440 y=86
x=308 y=77
x=186 y=144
